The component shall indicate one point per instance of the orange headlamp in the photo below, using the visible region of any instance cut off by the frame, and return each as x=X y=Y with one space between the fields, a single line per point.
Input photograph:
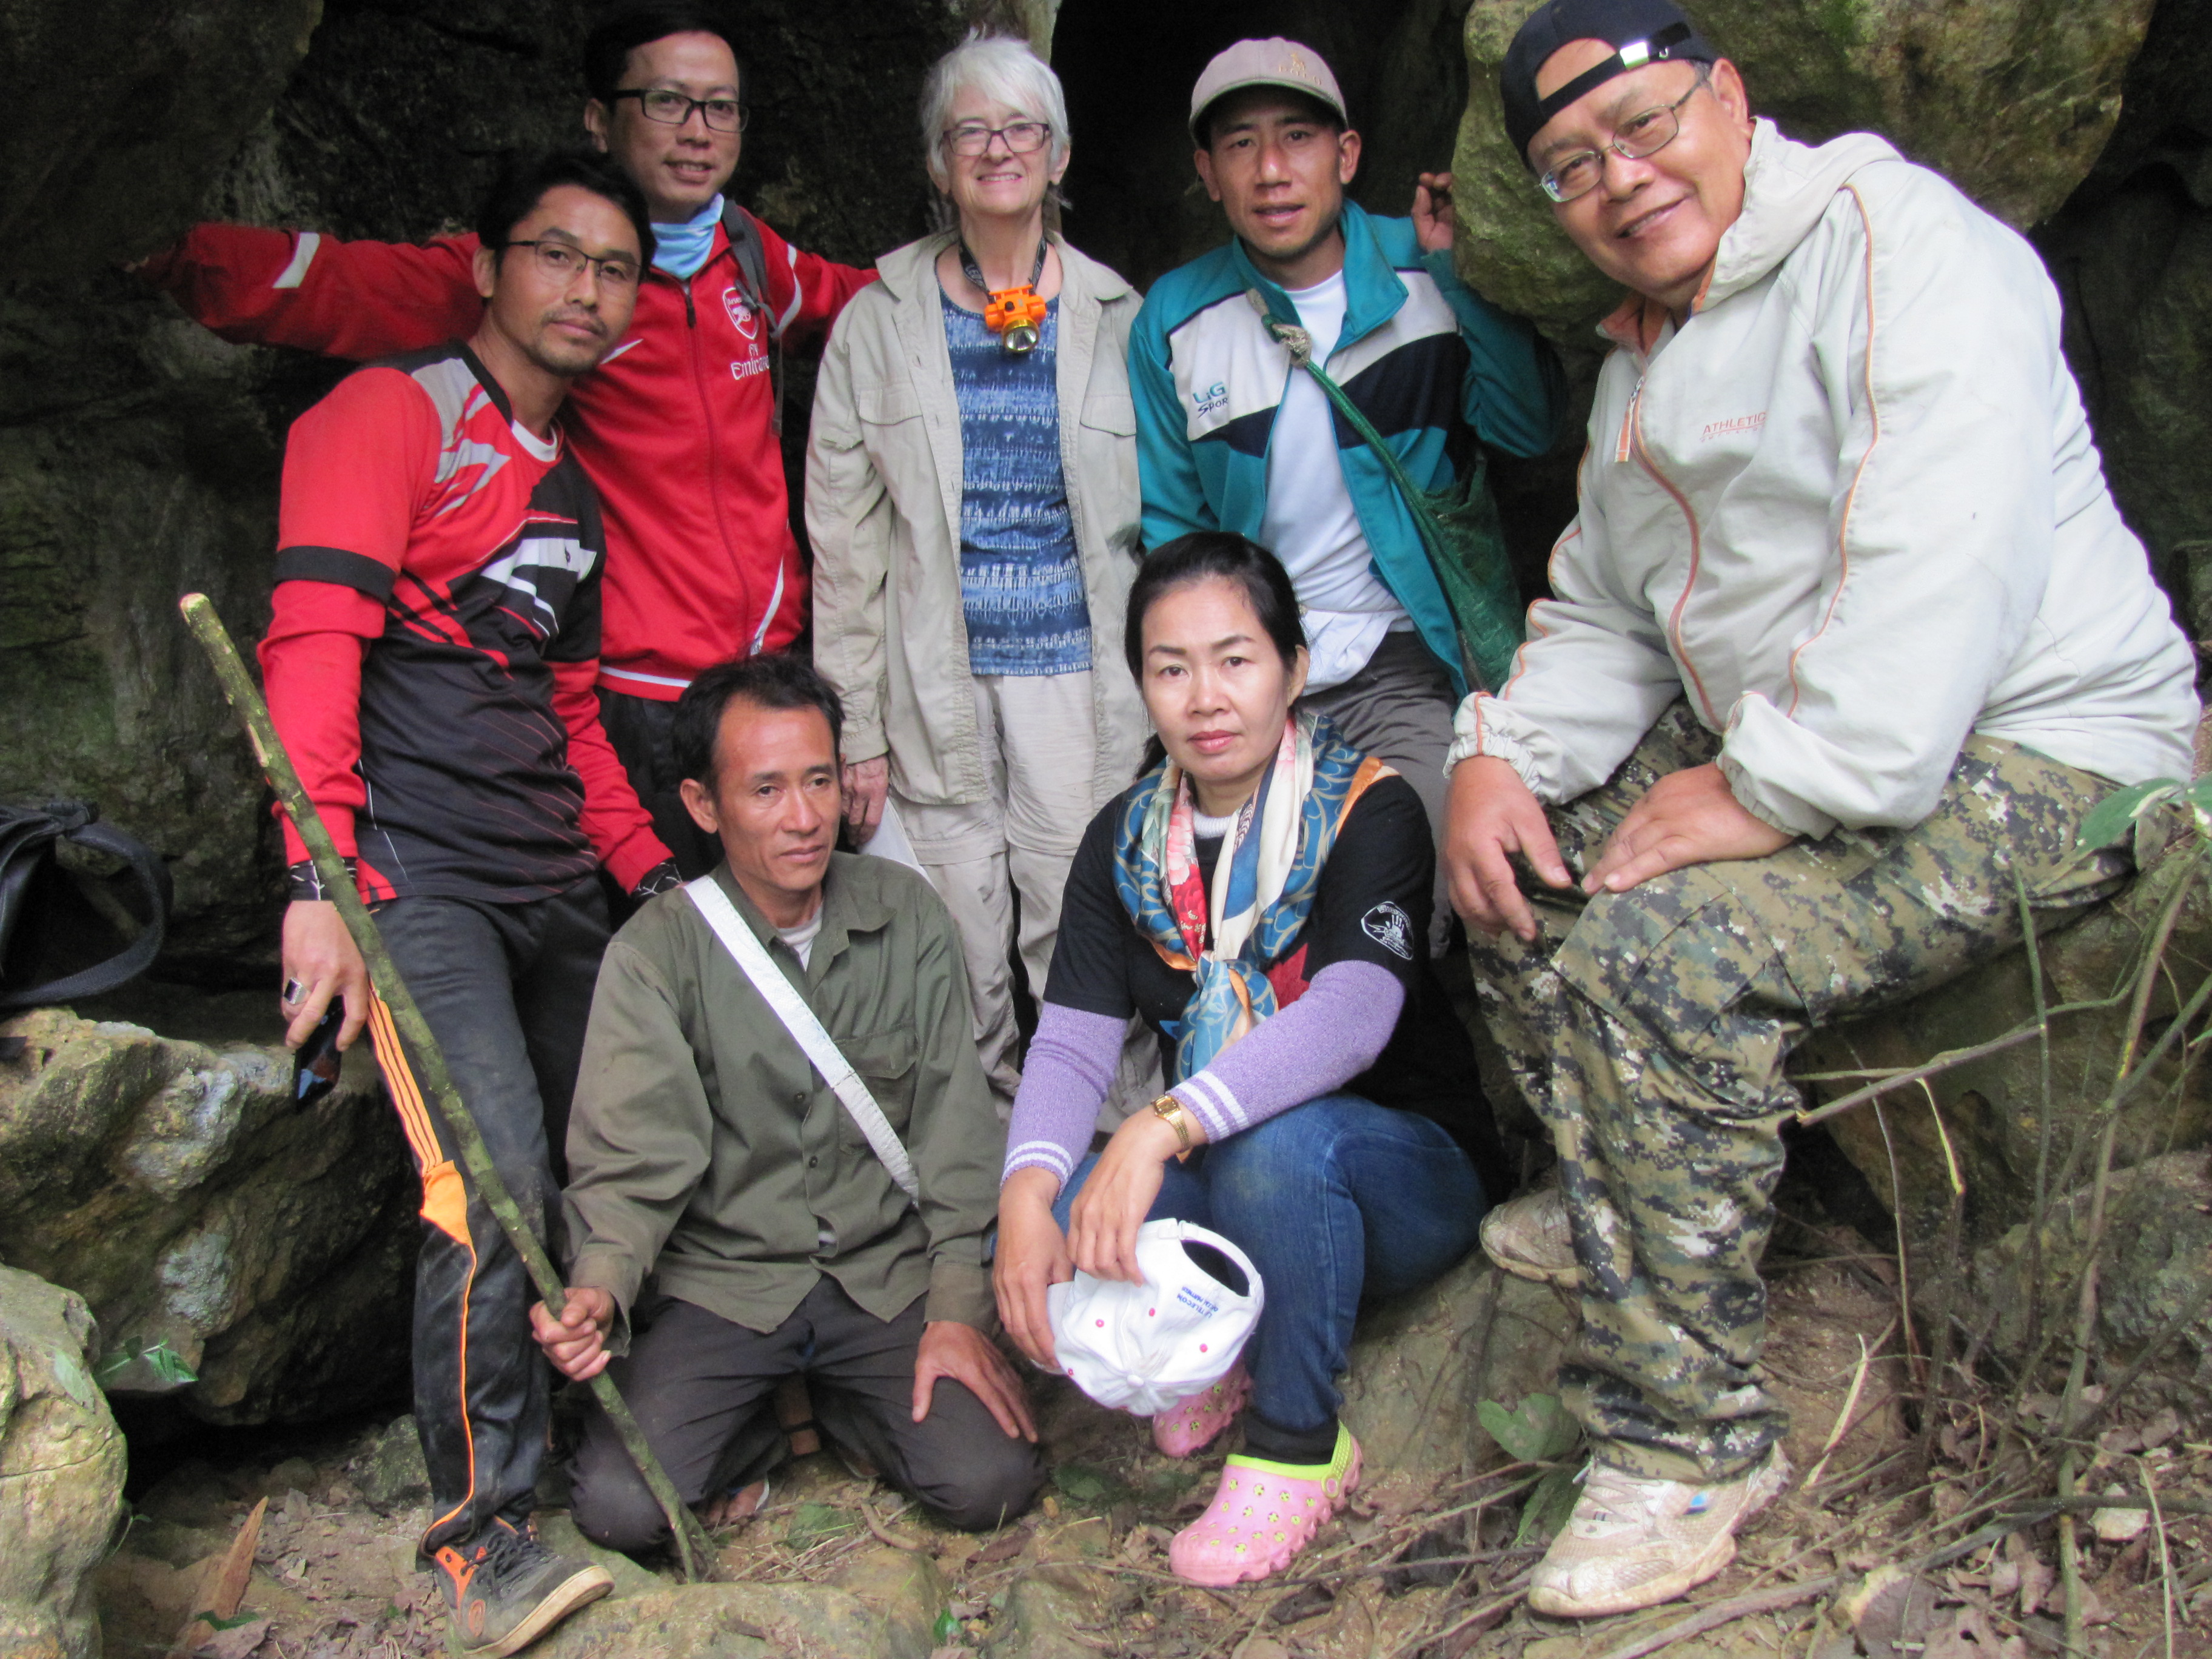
x=1015 y=315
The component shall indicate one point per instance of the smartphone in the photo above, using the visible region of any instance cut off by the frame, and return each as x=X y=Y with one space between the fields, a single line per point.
x=315 y=1065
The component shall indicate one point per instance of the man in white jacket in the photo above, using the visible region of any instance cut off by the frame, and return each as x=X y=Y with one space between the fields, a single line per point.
x=1847 y=637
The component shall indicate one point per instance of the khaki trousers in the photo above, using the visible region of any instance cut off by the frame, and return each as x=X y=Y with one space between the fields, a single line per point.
x=1000 y=864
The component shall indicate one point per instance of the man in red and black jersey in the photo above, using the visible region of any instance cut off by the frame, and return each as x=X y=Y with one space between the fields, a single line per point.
x=678 y=429
x=431 y=669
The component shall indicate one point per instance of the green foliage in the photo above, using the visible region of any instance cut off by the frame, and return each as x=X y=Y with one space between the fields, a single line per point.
x=1087 y=1485
x=1537 y=1431
x=2114 y=817
x=164 y=1361
x=1549 y=1506
x=946 y=1628
x=814 y=1522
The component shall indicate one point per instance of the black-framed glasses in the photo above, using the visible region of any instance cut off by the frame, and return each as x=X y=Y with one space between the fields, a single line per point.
x=673 y=109
x=564 y=259
x=1021 y=137
x=1645 y=133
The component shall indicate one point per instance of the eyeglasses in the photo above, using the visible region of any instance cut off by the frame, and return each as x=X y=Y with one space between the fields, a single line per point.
x=1021 y=137
x=674 y=109
x=563 y=260
x=1641 y=135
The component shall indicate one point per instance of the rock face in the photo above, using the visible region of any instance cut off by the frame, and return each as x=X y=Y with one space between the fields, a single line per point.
x=124 y=112
x=2132 y=255
x=2152 y=1279
x=2012 y=101
x=61 y=1471
x=217 y=1233
x=139 y=455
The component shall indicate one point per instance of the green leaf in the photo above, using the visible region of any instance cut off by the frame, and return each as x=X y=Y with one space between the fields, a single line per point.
x=1082 y=1483
x=1536 y=1432
x=207 y=1618
x=71 y=1376
x=167 y=1364
x=945 y=1628
x=2112 y=817
x=1549 y=1506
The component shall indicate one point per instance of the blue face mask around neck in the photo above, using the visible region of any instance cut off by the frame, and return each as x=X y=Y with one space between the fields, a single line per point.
x=681 y=249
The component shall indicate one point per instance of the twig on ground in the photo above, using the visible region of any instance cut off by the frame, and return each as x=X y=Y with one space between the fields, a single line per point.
x=1723 y=1612
x=1836 y=1430
x=2165 y=1559
x=897 y=1540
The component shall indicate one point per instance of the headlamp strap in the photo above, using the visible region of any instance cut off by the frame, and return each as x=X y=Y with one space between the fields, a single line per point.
x=1014 y=314
x=1633 y=56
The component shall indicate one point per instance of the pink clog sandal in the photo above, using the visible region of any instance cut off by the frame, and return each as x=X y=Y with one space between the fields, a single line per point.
x=1262 y=1515
x=1186 y=1426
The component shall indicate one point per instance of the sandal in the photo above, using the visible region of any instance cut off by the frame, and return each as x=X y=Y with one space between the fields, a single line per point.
x=1186 y=1426
x=1262 y=1515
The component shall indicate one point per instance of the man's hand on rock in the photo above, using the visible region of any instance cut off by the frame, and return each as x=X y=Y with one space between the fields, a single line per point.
x=320 y=961
x=1492 y=816
x=1433 y=212
x=1690 y=817
x=576 y=1342
x=967 y=1357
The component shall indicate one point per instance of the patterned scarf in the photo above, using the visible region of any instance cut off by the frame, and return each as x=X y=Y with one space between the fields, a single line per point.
x=1264 y=882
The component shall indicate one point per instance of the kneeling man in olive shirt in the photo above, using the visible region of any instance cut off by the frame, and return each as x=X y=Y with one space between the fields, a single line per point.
x=729 y=1223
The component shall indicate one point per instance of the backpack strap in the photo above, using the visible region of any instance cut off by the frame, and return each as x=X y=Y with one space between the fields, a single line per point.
x=26 y=839
x=821 y=1048
x=751 y=254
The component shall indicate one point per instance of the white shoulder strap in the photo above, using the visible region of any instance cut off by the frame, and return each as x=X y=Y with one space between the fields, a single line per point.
x=783 y=996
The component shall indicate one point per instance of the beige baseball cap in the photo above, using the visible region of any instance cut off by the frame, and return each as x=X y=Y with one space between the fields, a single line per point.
x=1273 y=62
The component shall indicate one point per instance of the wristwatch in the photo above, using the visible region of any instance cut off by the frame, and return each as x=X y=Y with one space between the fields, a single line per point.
x=1169 y=1111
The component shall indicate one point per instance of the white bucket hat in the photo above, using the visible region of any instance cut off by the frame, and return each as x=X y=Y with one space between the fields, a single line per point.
x=1142 y=1347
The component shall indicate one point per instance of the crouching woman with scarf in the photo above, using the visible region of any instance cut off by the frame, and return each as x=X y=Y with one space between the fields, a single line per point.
x=1261 y=898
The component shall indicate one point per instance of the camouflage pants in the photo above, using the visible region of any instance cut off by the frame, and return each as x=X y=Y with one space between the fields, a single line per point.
x=1649 y=1030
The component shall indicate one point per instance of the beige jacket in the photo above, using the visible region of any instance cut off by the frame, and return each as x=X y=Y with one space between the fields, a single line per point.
x=883 y=507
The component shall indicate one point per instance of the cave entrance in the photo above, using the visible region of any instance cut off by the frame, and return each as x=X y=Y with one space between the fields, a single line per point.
x=1128 y=66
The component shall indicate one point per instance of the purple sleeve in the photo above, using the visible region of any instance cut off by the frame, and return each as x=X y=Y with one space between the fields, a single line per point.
x=1070 y=1068
x=1315 y=1046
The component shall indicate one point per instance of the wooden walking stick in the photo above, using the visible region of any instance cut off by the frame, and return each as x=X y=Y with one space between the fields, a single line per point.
x=694 y=1552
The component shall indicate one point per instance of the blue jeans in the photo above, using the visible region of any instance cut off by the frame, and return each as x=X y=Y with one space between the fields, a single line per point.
x=1334 y=1200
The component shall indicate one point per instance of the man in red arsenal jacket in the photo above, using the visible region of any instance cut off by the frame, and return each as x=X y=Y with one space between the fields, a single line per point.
x=676 y=426
x=430 y=668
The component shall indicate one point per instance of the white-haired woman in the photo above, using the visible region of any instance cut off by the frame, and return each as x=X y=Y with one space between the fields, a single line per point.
x=971 y=491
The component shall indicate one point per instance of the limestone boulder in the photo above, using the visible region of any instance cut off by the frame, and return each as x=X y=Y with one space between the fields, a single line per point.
x=1422 y=1363
x=61 y=1471
x=1997 y=1120
x=249 y=1256
x=2012 y=99
x=2153 y=1271
x=725 y=1621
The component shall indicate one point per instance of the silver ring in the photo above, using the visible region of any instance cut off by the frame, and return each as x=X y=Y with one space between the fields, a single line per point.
x=293 y=991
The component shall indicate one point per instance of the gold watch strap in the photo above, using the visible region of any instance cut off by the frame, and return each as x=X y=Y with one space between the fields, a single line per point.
x=1171 y=1112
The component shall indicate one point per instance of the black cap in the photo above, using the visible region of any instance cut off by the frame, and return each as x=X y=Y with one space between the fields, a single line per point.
x=1640 y=31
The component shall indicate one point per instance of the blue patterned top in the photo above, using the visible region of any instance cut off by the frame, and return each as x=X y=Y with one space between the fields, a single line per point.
x=1021 y=579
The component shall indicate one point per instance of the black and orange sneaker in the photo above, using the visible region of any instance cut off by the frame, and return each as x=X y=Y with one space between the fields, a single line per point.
x=506 y=1589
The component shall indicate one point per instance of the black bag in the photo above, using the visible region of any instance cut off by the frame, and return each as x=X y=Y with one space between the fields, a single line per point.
x=27 y=867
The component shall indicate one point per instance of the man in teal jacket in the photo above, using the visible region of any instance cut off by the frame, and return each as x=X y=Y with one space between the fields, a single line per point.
x=1232 y=436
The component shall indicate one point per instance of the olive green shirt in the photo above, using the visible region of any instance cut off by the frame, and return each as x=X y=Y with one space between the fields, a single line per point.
x=705 y=1152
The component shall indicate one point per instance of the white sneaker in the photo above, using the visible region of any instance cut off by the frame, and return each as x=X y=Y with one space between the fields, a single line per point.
x=1633 y=1542
x=1530 y=1238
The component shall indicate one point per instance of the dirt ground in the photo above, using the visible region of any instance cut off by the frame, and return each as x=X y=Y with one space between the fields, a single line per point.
x=334 y=1578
